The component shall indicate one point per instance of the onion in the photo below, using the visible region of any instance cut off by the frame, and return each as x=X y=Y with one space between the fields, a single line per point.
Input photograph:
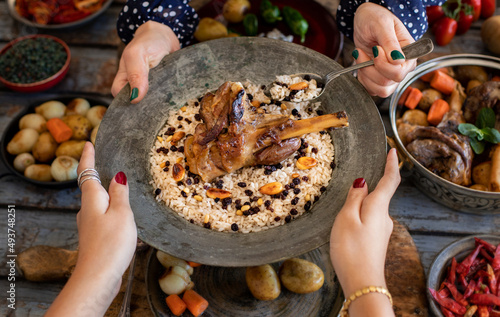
x=22 y=161
x=64 y=168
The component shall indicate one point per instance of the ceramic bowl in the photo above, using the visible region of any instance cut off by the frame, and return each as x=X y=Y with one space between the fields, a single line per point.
x=439 y=189
x=128 y=133
x=13 y=128
x=43 y=84
x=438 y=270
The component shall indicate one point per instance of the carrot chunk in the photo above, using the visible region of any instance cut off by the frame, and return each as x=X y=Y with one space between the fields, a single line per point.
x=443 y=82
x=176 y=304
x=194 y=302
x=59 y=130
x=496 y=78
x=413 y=98
x=404 y=96
x=437 y=111
x=193 y=264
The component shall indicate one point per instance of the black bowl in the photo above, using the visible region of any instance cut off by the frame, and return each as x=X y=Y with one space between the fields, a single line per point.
x=13 y=128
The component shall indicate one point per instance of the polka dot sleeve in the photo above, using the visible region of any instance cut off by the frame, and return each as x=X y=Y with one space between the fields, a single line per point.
x=176 y=14
x=411 y=12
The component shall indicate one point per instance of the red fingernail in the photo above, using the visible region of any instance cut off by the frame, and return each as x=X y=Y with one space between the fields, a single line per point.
x=359 y=183
x=120 y=178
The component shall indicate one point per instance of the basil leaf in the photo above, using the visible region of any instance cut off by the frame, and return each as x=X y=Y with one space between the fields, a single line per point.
x=491 y=135
x=477 y=146
x=468 y=129
x=486 y=118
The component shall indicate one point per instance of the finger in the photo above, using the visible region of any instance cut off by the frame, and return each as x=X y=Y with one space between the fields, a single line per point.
x=137 y=68
x=388 y=184
x=94 y=197
x=388 y=69
x=119 y=194
x=375 y=89
x=355 y=197
x=120 y=79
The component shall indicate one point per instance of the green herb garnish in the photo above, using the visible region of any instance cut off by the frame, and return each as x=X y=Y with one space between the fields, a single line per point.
x=482 y=132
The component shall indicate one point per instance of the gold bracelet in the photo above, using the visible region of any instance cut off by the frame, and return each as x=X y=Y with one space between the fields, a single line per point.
x=369 y=289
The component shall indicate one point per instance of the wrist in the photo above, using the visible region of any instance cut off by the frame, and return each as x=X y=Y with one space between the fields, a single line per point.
x=371 y=304
x=153 y=27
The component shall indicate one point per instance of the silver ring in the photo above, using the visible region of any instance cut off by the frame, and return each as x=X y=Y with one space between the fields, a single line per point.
x=83 y=180
x=87 y=171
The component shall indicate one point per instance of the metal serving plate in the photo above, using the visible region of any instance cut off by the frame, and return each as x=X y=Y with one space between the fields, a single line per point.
x=127 y=134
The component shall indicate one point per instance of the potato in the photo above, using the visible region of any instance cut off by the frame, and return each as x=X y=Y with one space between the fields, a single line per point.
x=45 y=148
x=428 y=97
x=234 y=10
x=465 y=73
x=301 y=276
x=51 y=109
x=93 y=134
x=490 y=33
x=95 y=115
x=78 y=106
x=80 y=125
x=480 y=187
x=472 y=84
x=22 y=161
x=210 y=29
x=39 y=172
x=263 y=282
x=415 y=117
x=481 y=173
x=64 y=168
x=22 y=142
x=33 y=121
x=73 y=148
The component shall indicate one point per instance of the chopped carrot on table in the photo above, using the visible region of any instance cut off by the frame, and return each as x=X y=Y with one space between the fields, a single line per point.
x=176 y=304
x=194 y=302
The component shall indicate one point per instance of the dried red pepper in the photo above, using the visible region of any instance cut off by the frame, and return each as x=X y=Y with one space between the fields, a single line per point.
x=470 y=289
x=488 y=246
x=495 y=313
x=484 y=299
x=448 y=303
x=486 y=255
x=492 y=279
x=496 y=260
x=464 y=267
x=482 y=311
x=446 y=312
x=452 y=273
x=456 y=294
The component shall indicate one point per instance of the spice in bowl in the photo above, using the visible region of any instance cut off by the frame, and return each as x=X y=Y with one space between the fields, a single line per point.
x=42 y=57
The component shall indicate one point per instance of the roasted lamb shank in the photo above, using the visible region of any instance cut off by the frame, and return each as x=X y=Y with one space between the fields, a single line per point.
x=234 y=135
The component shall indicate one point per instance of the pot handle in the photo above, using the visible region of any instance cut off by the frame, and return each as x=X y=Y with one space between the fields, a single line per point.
x=403 y=161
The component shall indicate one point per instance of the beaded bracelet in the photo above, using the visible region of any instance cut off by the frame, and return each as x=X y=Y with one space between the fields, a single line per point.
x=369 y=289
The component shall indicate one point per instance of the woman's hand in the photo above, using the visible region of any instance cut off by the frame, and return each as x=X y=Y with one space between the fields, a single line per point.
x=152 y=41
x=379 y=35
x=360 y=236
x=107 y=240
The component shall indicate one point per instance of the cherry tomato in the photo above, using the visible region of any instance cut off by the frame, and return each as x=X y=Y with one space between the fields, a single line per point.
x=444 y=30
x=465 y=18
x=434 y=13
x=476 y=6
x=488 y=8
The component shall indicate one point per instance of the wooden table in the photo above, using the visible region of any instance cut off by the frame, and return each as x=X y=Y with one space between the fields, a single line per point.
x=47 y=216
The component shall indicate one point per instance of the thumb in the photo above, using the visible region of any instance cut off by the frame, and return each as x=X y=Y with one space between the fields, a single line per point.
x=119 y=193
x=137 y=76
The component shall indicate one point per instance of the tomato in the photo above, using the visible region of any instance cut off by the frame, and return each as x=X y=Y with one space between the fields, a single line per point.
x=444 y=30
x=465 y=18
x=488 y=8
x=476 y=6
x=434 y=13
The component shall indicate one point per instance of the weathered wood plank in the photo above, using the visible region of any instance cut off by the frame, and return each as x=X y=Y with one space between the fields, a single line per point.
x=98 y=31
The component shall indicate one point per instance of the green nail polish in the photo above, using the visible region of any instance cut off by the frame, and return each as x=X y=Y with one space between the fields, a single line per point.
x=355 y=54
x=135 y=94
x=397 y=55
x=375 y=51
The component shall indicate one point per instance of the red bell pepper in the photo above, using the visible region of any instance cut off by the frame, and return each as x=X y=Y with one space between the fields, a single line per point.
x=448 y=303
x=484 y=299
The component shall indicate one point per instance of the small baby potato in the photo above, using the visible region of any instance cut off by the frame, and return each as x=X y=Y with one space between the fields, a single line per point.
x=234 y=10
x=23 y=141
x=480 y=187
x=428 y=98
x=415 y=117
x=78 y=106
x=301 y=276
x=64 y=168
x=39 y=172
x=33 y=121
x=51 y=109
x=95 y=115
x=481 y=173
x=45 y=148
x=263 y=282
x=22 y=161
x=80 y=125
x=73 y=148
x=210 y=29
